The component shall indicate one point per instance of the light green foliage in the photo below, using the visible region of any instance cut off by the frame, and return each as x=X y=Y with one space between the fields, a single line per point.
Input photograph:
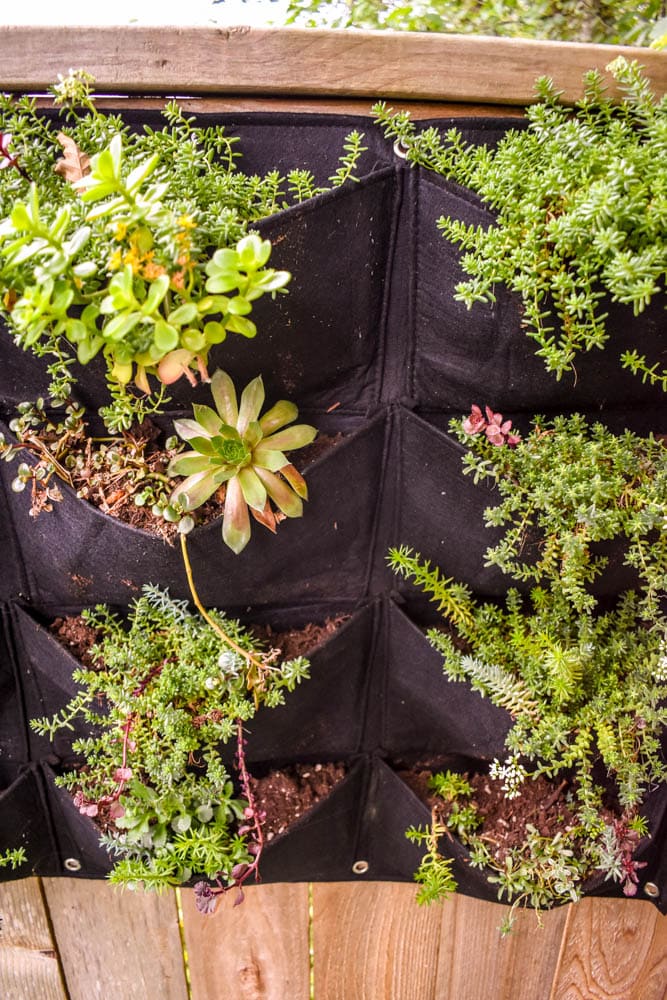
x=138 y=248
x=585 y=685
x=581 y=211
x=166 y=691
x=608 y=21
x=234 y=445
x=566 y=487
x=434 y=875
x=13 y=857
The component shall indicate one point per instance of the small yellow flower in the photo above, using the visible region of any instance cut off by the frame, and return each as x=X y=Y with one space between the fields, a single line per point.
x=115 y=260
x=120 y=231
x=186 y=222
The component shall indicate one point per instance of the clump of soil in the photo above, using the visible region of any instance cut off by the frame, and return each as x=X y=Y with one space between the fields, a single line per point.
x=541 y=804
x=283 y=796
x=77 y=637
x=320 y=446
x=298 y=641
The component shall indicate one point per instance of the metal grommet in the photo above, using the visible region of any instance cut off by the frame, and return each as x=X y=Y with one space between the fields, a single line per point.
x=651 y=889
x=72 y=864
x=360 y=867
x=400 y=150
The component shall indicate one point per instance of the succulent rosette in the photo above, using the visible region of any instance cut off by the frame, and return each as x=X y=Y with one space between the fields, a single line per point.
x=232 y=446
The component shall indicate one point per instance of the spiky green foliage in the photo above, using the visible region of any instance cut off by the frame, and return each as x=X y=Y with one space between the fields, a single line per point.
x=580 y=212
x=585 y=685
x=137 y=246
x=167 y=690
x=235 y=446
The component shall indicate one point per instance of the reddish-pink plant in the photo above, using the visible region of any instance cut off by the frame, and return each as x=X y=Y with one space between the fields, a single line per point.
x=496 y=429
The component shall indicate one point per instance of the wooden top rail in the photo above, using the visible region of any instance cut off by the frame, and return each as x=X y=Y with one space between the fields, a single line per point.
x=306 y=63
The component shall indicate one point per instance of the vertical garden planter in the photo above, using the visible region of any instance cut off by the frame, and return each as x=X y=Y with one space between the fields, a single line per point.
x=371 y=345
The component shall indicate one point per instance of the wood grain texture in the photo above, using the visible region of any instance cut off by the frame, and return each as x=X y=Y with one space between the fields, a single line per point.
x=476 y=963
x=28 y=961
x=116 y=943
x=301 y=62
x=612 y=949
x=372 y=941
x=255 y=951
x=290 y=105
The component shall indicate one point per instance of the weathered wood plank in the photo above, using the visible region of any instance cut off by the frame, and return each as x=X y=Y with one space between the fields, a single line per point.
x=371 y=940
x=612 y=950
x=255 y=951
x=28 y=961
x=114 y=943
x=302 y=62
x=315 y=105
x=476 y=963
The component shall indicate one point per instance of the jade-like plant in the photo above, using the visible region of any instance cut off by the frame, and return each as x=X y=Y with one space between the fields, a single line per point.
x=581 y=215
x=585 y=684
x=133 y=245
x=168 y=687
x=236 y=448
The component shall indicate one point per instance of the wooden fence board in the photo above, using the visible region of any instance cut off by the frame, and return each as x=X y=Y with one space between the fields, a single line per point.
x=476 y=963
x=612 y=950
x=373 y=941
x=28 y=960
x=302 y=62
x=255 y=951
x=115 y=943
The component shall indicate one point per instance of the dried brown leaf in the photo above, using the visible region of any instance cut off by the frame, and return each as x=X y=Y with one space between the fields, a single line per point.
x=75 y=164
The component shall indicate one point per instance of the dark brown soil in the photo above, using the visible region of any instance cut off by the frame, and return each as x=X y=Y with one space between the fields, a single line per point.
x=77 y=637
x=541 y=804
x=298 y=641
x=283 y=796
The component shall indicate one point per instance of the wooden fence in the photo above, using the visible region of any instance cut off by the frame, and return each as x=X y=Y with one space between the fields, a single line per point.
x=68 y=939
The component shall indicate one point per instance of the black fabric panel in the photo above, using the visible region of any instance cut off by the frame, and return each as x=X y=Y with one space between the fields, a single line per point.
x=323 y=718
x=25 y=822
x=13 y=736
x=46 y=668
x=427 y=716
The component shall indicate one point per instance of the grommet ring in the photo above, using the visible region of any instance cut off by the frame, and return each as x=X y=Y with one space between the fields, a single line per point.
x=651 y=889
x=360 y=867
x=72 y=864
x=400 y=150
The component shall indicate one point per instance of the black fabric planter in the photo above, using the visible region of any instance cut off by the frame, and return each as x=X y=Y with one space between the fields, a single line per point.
x=369 y=341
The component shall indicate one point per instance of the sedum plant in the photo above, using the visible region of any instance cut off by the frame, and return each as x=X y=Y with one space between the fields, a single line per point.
x=136 y=246
x=584 y=683
x=234 y=447
x=580 y=212
x=168 y=688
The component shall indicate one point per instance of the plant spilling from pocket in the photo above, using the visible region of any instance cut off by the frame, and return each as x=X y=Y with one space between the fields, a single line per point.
x=133 y=245
x=580 y=212
x=585 y=684
x=167 y=688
